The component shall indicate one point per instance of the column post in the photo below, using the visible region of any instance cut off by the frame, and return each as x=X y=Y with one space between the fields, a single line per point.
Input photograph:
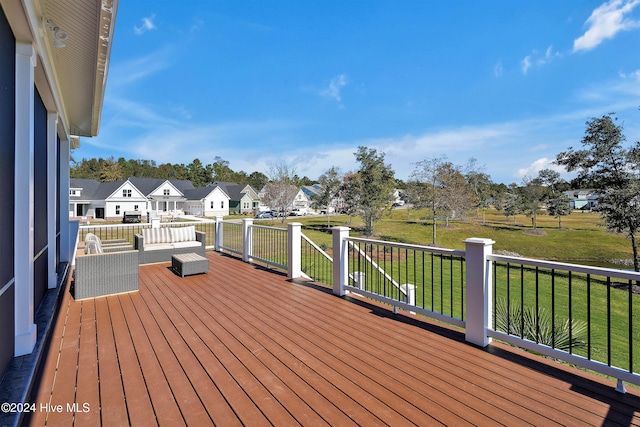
x=52 y=156
x=479 y=290
x=247 y=239
x=25 y=328
x=340 y=262
x=294 y=250
x=218 y=242
x=67 y=243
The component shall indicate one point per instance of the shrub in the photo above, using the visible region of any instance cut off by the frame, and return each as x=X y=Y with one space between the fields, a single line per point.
x=539 y=327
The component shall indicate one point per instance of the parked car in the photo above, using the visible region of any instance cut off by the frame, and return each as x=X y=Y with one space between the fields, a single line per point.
x=265 y=215
x=298 y=212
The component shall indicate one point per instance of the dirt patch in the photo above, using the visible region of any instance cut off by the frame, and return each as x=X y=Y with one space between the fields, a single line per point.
x=535 y=232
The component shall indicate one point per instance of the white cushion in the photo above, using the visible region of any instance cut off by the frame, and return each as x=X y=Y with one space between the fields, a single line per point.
x=183 y=234
x=156 y=235
x=190 y=244
x=92 y=237
x=92 y=247
x=158 y=246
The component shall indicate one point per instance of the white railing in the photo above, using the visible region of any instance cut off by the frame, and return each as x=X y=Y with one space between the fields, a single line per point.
x=573 y=290
x=464 y=288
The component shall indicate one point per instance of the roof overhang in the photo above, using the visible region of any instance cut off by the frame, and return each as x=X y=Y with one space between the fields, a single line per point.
x=71 y=80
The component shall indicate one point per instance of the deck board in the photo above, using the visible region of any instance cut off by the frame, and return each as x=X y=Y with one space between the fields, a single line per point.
x=87 y=382
x=244 y=346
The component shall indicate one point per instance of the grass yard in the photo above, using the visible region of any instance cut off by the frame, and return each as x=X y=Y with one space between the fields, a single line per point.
x=581 y=238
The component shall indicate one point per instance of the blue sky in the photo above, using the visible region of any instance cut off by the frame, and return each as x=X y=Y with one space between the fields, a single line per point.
x=508 y=83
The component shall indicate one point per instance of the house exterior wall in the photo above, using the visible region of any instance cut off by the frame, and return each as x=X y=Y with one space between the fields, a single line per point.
x=7 y=190
x=114 y=209
x=247 y=204
x=216 y=204
x=125 y=198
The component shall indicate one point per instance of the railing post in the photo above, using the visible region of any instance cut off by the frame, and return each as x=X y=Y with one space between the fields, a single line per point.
x=218 y=233
x=340 y=261
x=246 y=239
x=479 y=290
x=294 y=250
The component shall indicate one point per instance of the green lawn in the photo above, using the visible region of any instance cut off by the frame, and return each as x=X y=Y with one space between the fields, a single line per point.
x=581 y=238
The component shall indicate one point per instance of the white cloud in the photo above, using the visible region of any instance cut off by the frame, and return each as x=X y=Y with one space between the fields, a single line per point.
x=147 y=25
x=526 y=64
x=497 y=69
x=605 y=22
x=538 y=60
x=534 y=168
x=335 y=87
x=130 y=71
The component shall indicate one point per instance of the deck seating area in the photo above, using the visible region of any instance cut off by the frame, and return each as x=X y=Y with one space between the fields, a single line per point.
x=242 y=345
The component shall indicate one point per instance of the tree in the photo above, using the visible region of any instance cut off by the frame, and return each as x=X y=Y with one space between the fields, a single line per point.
x=375 y=182
x=532 y=198
x=198 y=174
x=110 y=171
x=558 y=207
x=330 y=182
x=457 y=194
x=558 y=204
x=511 y=205
x=221 y=170
x=280 y=192
x=441 y=187
x=614 y=171
x=480 y=183
x=349 y=195
x=257 y=180
x=424 y=189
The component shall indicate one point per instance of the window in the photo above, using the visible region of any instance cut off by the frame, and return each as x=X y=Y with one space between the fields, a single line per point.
x=212 y=204
x=166 y=192
x=126 y=193
x=135 y=207
x=222 y=204
x=72 y=192
x=117 y=209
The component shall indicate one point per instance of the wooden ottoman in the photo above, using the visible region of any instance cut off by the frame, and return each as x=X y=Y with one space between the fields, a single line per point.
x=185 y=264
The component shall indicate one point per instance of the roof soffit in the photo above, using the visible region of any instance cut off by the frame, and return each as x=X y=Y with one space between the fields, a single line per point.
x=70 y=80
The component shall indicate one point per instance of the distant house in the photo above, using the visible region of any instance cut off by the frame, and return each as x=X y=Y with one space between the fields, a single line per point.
x=211 y=200
x=158 y=197
x=305 y=197
x=109 y=200
x=582 y=199
x=164 y=196
x=243 y=199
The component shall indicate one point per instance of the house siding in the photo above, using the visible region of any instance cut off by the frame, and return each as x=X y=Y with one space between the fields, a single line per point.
x=7 y=190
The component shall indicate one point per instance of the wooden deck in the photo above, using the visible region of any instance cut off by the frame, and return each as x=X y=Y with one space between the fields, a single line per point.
x=245 y=346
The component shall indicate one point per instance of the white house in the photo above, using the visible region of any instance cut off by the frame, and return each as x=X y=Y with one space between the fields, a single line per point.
x=109 y=200
x=211 y=200
x=305 y=197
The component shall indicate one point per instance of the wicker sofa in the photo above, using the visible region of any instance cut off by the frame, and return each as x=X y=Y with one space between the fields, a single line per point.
x=158 y=244
x=104 y=270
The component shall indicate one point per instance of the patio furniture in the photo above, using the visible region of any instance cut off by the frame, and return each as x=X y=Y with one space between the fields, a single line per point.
x=190 y=263
x=158 y=244
x=104 y=271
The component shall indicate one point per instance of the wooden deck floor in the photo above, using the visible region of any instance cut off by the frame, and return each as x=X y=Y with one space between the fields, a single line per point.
x=244 y=346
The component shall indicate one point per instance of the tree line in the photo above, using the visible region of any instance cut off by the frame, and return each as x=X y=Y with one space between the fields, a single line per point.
x=200 y=175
